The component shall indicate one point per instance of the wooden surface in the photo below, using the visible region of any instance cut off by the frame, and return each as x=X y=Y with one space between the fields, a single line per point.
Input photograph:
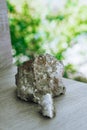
x=5 y=47
x=20 y=115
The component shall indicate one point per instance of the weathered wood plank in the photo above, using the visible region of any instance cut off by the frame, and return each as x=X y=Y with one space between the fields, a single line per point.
x=20 y=115
x=5 y=43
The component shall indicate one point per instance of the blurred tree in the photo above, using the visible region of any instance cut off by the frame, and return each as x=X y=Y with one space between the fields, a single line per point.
x=70 y=21
x=31 y=34
x=25 y=34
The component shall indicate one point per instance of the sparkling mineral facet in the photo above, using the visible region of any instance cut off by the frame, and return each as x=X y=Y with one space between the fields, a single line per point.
x=39 y=80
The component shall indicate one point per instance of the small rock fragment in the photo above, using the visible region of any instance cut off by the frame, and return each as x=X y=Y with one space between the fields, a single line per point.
x=47 y=106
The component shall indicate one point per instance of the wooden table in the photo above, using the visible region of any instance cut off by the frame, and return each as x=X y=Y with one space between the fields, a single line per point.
x=15 y=114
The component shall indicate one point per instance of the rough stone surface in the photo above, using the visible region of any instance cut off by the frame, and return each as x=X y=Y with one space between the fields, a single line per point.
x=39 y=80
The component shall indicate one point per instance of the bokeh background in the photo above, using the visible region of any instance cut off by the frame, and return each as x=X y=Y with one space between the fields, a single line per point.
x=50 y=26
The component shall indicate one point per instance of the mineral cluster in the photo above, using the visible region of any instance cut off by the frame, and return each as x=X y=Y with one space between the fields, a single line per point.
x=39 y=80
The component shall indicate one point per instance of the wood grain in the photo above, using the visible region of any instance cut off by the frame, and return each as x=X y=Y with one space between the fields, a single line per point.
x=5 y=43
x=20 y=115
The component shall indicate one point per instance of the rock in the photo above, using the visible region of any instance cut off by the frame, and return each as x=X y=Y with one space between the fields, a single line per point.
x=39 y=80
x=47 y=105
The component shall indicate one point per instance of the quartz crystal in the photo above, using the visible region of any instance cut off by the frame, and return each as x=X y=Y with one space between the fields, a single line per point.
x=39 y=80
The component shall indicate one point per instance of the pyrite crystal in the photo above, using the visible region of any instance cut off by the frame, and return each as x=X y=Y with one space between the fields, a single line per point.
x=39 y=80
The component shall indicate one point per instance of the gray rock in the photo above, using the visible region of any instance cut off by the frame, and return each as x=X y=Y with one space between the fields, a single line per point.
x=39 y=80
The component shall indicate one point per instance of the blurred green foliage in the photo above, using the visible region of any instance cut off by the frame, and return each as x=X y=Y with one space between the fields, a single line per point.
x=25 y=34
x=30 y=33
x=71 y=21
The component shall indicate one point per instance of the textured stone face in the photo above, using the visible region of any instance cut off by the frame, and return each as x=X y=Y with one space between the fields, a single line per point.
x=39 y=80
